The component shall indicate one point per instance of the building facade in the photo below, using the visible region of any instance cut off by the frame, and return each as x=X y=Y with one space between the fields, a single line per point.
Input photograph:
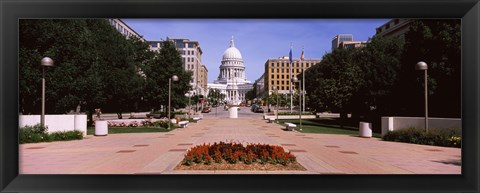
x=277 y=72
x=191 y=54
x=232 y=80
x=395 y=28
x=124 y=29
x=352 y=44
x=338 y=39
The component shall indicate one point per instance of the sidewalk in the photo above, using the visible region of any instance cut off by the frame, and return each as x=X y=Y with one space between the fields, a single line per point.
x=159 y=153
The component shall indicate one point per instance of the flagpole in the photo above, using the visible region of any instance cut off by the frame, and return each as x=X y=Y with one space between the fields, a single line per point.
x=290 y=59
x=303 y=82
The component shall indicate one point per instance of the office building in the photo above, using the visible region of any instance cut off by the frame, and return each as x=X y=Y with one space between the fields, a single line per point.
x=395 y=28
x=277 y=72
x=338 y=39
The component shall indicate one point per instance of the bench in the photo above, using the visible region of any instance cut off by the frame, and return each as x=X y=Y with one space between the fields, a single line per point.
x=290 y=126
x=196 y=119
x=271 y=120
x=183 y=124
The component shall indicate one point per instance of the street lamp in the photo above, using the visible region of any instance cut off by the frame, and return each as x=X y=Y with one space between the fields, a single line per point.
x=45 y=62
x=276 y=92
x=423 y=66
x=174 y=78
x=295 y=79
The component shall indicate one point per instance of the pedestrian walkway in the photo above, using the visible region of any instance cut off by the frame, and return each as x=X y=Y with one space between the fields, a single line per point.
x=159 y=153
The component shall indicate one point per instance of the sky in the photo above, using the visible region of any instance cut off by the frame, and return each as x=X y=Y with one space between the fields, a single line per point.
x=257 y=39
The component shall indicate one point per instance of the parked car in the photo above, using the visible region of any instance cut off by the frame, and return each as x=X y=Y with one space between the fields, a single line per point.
x=259 y=110
x=206 y=110
x=254 y=107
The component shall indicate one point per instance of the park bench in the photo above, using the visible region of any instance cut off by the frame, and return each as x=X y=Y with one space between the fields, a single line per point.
x=290 y=126
x=271 y=120
x=183 y=124
x=196 y=119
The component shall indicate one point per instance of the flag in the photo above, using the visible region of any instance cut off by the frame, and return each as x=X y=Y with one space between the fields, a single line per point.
x=302 y=57
x=290 y=55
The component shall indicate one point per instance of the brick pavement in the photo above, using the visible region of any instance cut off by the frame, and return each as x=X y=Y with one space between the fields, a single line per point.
x=159 y=153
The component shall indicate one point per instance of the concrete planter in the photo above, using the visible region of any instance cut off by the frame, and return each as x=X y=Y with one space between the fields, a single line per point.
x=233 y=112
x=101 y=128
x=365 y=129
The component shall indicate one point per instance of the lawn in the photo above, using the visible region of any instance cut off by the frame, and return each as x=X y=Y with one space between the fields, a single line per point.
x=113 y=130
x=325 y=126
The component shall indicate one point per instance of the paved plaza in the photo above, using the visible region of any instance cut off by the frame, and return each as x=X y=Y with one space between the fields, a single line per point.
x=159 y=153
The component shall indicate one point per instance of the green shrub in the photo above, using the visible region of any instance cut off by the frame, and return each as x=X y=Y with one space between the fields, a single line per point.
x=37 y=133
x=437 y=137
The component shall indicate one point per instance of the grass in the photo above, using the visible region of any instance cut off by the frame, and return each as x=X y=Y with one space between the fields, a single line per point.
x=113 y=130
x=325 y=126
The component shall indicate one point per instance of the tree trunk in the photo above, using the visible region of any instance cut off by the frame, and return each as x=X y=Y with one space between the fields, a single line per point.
x=89 y=117
x=119 y=115
x=343 y=118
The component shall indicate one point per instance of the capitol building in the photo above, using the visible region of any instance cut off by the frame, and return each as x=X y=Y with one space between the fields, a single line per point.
x=232 y=81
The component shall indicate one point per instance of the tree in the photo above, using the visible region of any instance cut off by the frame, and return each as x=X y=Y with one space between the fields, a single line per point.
x=438 y=43
x=166 y=64
x=380 y=64
x=214 y=96
x=333 y=84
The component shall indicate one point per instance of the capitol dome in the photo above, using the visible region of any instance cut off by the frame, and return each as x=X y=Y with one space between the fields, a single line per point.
x=232 y=53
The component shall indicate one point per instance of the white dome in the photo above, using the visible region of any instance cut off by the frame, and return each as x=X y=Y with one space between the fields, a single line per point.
x=232 y=53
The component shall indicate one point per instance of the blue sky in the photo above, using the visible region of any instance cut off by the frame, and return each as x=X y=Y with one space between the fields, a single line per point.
x=257 y=39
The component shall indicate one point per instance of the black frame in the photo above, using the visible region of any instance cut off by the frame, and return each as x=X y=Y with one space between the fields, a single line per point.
x=11 y=11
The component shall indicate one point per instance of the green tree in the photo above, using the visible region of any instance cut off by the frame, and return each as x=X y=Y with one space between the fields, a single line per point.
x=166 y=64
x=438 y=43
x=214 y=96
x=333 y=84
x=380 y=64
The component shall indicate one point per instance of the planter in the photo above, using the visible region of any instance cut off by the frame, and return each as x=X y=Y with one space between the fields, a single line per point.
x=365 y=129
x=101 y=128
x=233 y=112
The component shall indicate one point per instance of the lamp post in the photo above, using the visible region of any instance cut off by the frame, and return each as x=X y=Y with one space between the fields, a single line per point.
x=45 y=62
x=423 y=66
x=276 y=92
x=295 y=79
x=174 y=78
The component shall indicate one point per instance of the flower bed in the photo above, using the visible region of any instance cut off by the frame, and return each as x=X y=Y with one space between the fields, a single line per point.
x=135 y=123
x=230 y=155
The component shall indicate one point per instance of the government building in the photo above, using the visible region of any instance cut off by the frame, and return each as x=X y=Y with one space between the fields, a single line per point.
x=232 y=81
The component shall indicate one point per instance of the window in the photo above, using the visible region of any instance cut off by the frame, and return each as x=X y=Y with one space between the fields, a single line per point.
x=273 y=70
x=273 y=64
x=278 y=64
x=288 y=70
x=288 y=76
x=283 y=70
x=273 y=82
x=278 y=76
x=283 y=76
x=387 y=26
x=278 y=82
x=283 y=82
x=278 y=70
x=273 y=76
x=283 y=88
x=283 y=64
